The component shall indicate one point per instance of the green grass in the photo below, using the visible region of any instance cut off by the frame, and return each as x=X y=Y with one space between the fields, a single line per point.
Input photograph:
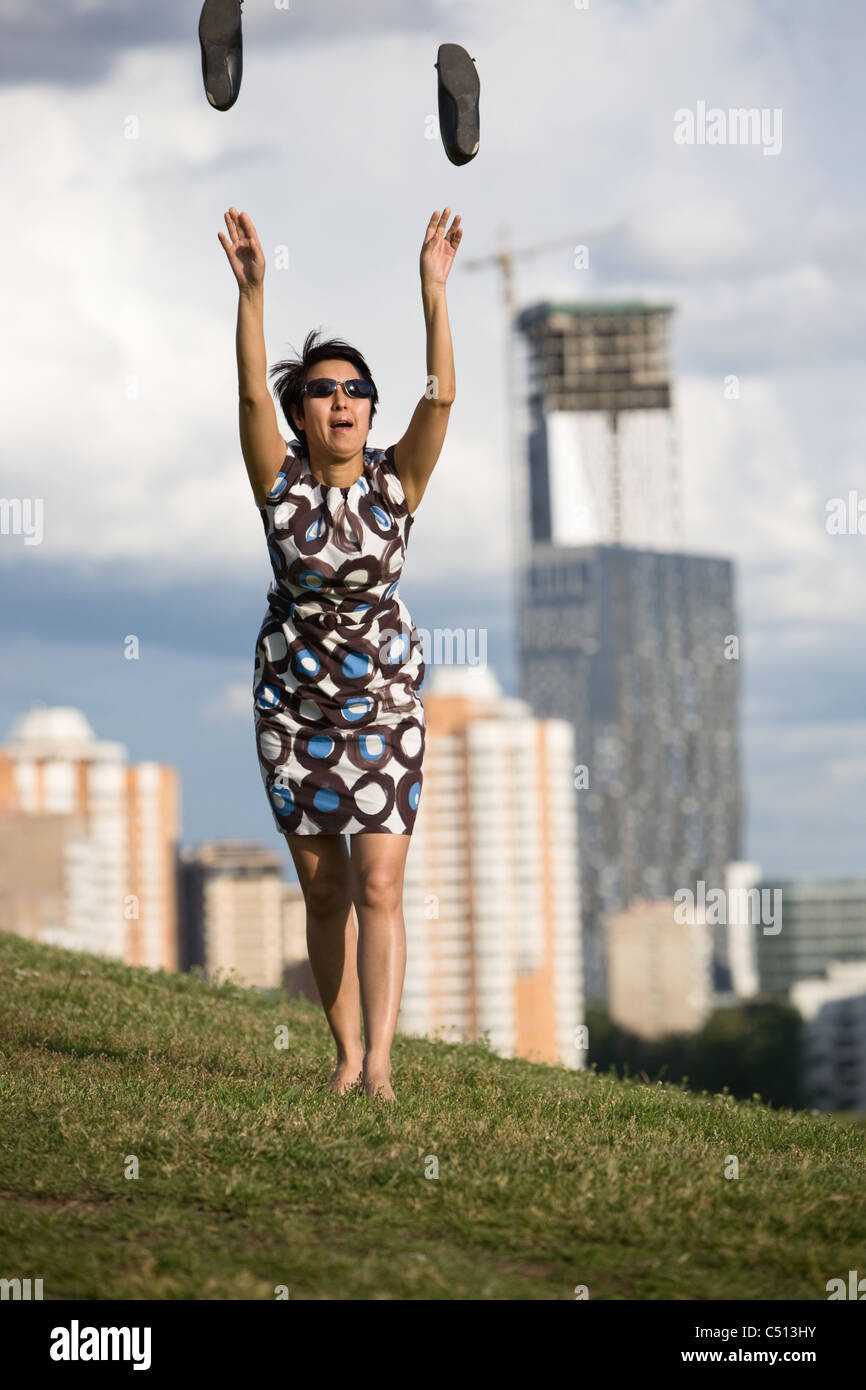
x=253 y=1175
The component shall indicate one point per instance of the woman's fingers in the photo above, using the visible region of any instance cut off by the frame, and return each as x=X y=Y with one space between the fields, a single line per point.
x=241 y=229
x=236 y=233
x=439 y=222
x=231 y=255
x=234 y=220
x=247 y=228
x=229 y=244
x=243 y=249
x=231 y=249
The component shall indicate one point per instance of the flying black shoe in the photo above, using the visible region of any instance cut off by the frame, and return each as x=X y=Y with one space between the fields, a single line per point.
x=222 y=51
x=458 y=103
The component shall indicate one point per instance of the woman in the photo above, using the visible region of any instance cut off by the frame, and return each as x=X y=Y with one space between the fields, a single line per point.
x=339 y=723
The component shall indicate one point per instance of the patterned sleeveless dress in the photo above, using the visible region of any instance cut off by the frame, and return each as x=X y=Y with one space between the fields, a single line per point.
x=340 y=727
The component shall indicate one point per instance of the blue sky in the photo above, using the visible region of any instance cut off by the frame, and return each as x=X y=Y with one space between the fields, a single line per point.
x=112 y=270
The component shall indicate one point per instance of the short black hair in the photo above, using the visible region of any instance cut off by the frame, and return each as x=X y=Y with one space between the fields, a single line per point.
x=291 y=374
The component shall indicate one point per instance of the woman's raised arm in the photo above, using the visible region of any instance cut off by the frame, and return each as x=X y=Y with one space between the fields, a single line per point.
x=262 y=443
x=416 y=454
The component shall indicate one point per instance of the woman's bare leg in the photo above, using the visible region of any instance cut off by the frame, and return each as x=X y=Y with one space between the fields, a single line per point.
x=378 y=862
x=323 y=866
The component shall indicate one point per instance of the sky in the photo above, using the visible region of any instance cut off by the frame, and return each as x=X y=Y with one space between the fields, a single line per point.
x=119 y=379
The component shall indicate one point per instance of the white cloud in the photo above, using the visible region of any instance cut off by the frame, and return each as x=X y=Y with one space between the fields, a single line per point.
x=752 y=490
x=232 y=701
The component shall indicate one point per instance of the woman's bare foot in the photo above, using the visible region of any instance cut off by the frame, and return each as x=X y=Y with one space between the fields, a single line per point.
x=345 y=1076
x=376 y=1079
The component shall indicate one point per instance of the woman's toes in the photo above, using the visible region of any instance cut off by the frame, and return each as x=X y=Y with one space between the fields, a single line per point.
x=378 y=1088
x=345 y=1077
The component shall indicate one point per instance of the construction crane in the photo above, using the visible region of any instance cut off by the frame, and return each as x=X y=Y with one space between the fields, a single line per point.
x=506 y=257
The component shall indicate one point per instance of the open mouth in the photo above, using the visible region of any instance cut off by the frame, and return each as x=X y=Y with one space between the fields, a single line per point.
x=342 y=425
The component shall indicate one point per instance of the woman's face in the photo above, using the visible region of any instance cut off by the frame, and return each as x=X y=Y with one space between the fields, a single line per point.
x=321 y=414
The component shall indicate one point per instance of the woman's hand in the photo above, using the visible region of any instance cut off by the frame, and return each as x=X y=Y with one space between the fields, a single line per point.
x=439 y=249
x=246 y=257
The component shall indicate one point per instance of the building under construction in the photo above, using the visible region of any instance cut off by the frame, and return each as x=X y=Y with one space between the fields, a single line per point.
x=602 y=446
x=621 y=632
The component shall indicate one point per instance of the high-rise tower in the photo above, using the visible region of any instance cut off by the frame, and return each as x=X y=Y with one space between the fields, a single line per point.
x=623 y=634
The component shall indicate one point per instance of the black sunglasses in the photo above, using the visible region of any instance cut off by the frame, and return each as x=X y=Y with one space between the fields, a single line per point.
x=326 y=386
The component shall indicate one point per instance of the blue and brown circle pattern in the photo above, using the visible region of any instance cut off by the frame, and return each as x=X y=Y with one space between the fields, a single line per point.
x=340 y=728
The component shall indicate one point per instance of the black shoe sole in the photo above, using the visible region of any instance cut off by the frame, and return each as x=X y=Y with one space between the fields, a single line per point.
x=459 y=88
x=219 y=32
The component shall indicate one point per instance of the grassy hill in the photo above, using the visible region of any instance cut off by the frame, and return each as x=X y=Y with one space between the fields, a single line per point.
x=251 y=1174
